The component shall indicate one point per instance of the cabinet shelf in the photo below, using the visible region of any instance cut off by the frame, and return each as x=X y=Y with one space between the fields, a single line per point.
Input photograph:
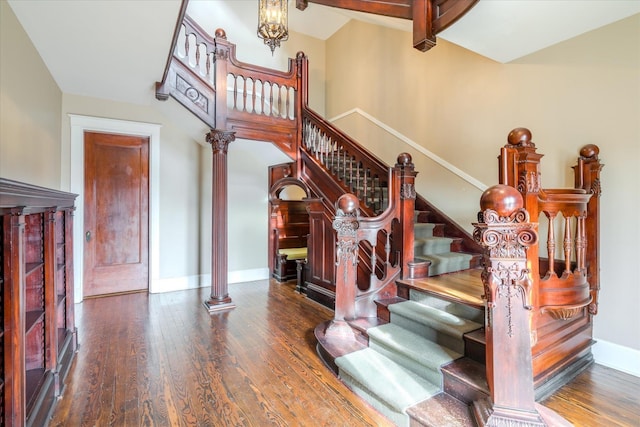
x=33 y=380
x=32 y=318
x=31 y=267
x=35 y=240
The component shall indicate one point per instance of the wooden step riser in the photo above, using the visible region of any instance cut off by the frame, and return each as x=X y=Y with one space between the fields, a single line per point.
x=441 y=410
x=465 y=380
x=475 y=346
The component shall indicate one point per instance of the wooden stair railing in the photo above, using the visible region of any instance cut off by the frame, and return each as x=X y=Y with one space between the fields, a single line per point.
x=354 y=167
x=258 y=103
x=565 y=292
x=381 y=256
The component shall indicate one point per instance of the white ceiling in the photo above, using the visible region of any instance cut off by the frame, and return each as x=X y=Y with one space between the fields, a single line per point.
x=117 y=49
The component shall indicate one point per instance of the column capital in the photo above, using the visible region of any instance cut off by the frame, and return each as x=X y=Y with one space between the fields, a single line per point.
x=220 y=139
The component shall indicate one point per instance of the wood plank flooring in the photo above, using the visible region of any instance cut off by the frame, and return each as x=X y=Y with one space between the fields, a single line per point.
x=163 y=360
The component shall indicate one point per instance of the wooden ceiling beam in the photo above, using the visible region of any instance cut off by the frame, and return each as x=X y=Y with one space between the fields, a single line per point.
x=429 y=16
x=392 y=8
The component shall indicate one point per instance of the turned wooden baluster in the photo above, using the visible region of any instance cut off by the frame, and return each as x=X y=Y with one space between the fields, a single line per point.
x=506 y=234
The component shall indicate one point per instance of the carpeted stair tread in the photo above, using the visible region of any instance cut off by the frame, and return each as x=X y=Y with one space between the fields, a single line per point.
x=423 y=229
x=458 y=309
x=410 y=350
x=387 y=381
x=448 y=262
x=431 y=245
x=439 y=320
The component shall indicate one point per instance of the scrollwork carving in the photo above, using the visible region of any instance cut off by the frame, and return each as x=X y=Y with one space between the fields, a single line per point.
x=596 y=189
x=529 y=182
x=407 y=191
x=222 y=54
x=192 y=94
x=509 y=281
x=506 y=276
x=346 y=252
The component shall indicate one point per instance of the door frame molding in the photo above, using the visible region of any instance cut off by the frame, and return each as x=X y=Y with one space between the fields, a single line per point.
x=80 y=124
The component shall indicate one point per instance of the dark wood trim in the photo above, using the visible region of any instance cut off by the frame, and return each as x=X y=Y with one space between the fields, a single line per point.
x=15 y=193
x=392 y=8
x=429 y=17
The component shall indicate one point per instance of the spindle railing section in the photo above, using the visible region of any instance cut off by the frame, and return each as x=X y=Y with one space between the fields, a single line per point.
x=347 y=161
x=255 y=102
x=566 y=285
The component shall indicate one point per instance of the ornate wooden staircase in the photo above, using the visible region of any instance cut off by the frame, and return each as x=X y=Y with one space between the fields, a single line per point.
x=426 y=342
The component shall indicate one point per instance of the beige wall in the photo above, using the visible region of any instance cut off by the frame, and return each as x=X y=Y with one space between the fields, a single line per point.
x=461 y=106
x=30 y=102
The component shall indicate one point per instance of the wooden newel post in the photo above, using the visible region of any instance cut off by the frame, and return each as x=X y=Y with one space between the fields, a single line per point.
x=506 y=234
x=346 y=225
x=407 y=174
x=219 y=299
x=587 y=177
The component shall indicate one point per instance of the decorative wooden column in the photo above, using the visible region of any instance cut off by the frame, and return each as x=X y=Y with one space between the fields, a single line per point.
x=219 y=299
x=506 y=234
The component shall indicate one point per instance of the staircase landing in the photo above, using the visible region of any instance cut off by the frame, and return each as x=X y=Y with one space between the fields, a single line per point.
x=464 y=287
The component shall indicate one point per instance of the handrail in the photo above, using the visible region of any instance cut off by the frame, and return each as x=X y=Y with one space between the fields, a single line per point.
x=174 y=41
x=414 y=145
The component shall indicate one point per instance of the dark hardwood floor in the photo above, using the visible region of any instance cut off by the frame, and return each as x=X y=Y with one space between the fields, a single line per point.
x=163 y=360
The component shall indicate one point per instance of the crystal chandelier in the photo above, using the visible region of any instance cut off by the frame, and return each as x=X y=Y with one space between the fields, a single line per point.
x=272 y=22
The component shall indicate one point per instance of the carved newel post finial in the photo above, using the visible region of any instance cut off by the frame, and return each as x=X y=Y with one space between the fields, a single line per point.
x=505 y=232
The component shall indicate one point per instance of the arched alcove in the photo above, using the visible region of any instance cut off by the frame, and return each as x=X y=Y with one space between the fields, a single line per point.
x=289 y=227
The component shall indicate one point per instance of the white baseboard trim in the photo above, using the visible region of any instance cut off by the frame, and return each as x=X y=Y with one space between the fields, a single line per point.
x=177 y=284
x=204 y=280
x=252 y=275
x=616 y=356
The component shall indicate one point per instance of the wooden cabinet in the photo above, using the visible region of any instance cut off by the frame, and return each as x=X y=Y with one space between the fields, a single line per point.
x=37 y=334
